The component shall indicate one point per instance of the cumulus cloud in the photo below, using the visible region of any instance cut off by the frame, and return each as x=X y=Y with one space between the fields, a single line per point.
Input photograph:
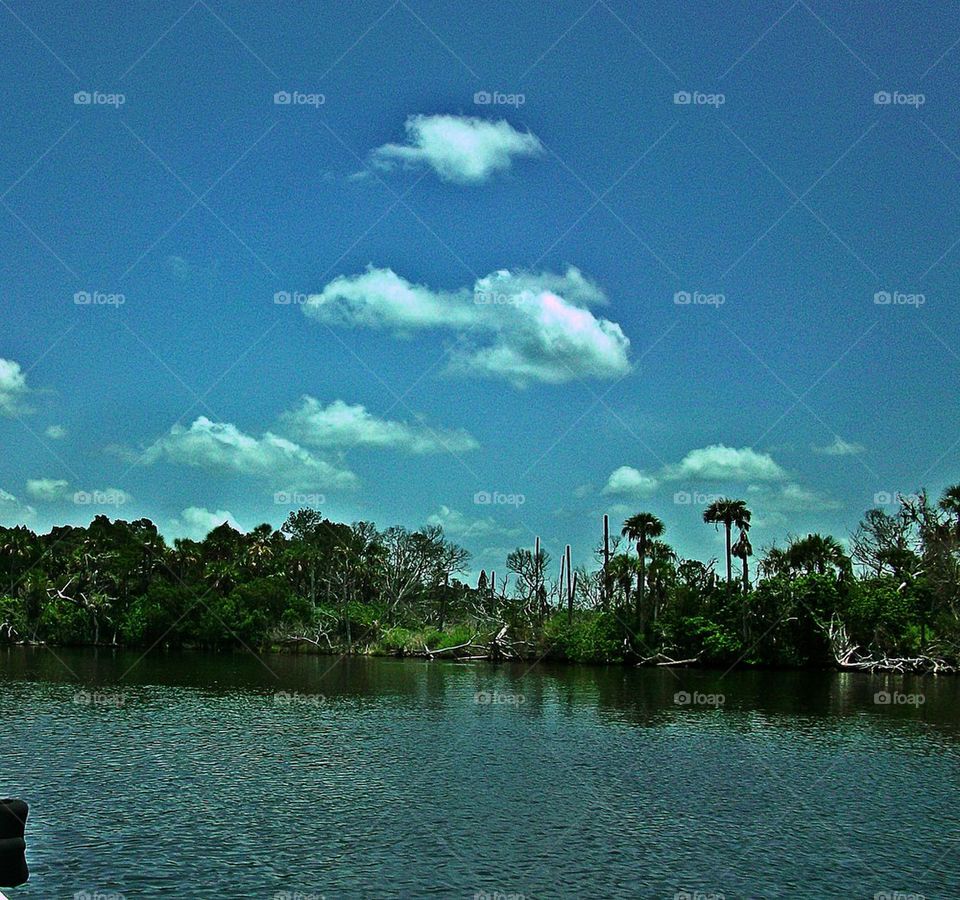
x=47 y=489
x=716 y=463
x=720 y=463
x=462 y=527
x=518 y=326
x=55 y=432
x=840 y=447
x=627 y=480
x=13 y=388
x=196 y=522
x=460 y=149
x=341 y=425
x=222 y=447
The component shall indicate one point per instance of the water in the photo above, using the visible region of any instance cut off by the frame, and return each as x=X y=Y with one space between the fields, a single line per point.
x=230 y=776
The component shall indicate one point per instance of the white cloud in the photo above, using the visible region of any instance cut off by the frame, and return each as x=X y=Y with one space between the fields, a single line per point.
x=627 y=480
x=463 y=527
x=47 y=489
x=715 y=463
x=196 y=522
x=341 y=425
x=720 y=463
x=791 y=498
x=13 y=511
x=840 y=447
x=460 y=149
x=56 y=432
x=518 y=326
x=222 y=447
x=13 y=388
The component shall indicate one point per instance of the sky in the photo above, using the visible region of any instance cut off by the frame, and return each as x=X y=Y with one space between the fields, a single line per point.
x=500 y=267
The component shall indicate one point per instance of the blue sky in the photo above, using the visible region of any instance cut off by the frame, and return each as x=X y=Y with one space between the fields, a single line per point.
x=485 y=297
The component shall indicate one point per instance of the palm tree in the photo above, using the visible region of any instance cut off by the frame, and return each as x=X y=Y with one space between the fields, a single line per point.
x=950 y=503
x=663 y=560
x=742 y=549
x=640 y=528
x=728 y=513
x=817 y=553
x=774 y=564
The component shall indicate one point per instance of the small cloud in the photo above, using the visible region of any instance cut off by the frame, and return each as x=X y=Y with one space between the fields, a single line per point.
x=55 y=432
x=462 y=527
x=840 y=447
x=627 y=480
x=13 y=511
x=340 y=425
x=460 y=149
x=47 y=490
x=790 y=498
x=720 y=463
x=196 y=522
x=13 y=388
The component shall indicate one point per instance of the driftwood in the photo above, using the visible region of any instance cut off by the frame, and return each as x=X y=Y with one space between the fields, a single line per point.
x=430 y=654
x=851 y=657
x=661 y=659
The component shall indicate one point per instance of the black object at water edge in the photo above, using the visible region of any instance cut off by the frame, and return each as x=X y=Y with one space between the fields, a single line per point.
x=13 y=862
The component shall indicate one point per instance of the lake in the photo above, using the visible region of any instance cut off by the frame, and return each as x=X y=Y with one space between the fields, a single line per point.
x=296 y=777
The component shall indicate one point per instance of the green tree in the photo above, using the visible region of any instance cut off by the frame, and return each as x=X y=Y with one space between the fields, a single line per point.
x=640 y=528
x=728 y=513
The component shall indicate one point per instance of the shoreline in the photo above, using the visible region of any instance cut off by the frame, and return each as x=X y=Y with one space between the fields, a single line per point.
x=308 y=649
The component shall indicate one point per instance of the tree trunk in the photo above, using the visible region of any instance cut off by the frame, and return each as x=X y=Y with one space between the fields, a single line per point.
x=641 y=578
x=729 y=555
x=606 y=561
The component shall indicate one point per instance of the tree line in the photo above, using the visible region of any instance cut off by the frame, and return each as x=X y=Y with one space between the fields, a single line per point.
x=888 y=600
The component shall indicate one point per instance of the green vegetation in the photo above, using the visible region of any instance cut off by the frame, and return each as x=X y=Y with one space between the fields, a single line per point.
x=324 y=586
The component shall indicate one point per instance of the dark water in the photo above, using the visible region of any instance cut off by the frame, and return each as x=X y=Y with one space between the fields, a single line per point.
x=282 y=777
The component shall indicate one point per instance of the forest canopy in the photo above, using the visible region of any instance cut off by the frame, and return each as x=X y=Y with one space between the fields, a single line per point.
x=887 y=599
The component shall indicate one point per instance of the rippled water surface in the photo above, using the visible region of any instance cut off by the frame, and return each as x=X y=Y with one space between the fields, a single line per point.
x=228 y=776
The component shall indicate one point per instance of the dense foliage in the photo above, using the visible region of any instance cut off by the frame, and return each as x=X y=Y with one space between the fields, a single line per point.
x=354 y=588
